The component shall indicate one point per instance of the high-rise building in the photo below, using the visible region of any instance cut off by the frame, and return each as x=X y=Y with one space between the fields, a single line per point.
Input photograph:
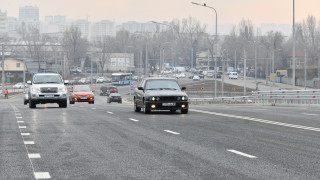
x=48 y=19
x=12 y=24
x=83 y=26
x=29 y=13
x=58 y=19
x=3 y=17
x=102 y=28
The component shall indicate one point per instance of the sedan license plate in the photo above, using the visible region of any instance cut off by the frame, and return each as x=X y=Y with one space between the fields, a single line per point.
x=83 y=98
x=48 y=95
x=168 y=104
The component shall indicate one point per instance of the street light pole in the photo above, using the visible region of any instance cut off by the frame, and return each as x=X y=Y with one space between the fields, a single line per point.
x=2 y=49
x=215 y=63
x=293 y=51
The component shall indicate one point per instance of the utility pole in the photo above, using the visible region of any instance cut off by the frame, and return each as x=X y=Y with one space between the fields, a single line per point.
x=235 y=60
x=2 y=49
x=146 y=63
x=245 y=73
x=305 y=69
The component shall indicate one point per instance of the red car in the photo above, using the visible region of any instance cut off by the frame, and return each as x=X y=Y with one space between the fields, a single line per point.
x=81 y=94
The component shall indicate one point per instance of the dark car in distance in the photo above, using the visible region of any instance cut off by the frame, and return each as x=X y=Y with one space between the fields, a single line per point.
x=106 y=90
x=114 y=97
x=160 y=94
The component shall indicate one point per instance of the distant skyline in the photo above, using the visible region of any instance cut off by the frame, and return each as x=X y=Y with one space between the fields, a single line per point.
x=229 y=11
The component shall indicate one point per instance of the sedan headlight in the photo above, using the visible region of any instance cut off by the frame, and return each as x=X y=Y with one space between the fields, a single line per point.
x=154 y=98
x=35 y=89
x=62 y=89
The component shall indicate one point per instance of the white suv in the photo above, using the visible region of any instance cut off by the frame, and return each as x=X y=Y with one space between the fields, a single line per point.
x=48 y=88
x=233 y=75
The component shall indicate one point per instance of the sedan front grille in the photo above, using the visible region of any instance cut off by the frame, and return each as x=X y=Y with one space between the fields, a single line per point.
x=168 y=98
x=49 y=89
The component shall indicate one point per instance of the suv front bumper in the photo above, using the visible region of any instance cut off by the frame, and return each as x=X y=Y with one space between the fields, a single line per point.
x=42 y=98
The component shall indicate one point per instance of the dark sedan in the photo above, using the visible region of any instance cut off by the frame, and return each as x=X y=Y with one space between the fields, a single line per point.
x=160 y=94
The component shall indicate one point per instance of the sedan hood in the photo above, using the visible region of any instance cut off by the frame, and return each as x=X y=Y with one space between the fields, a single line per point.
x=165 y=93
x=82 y=93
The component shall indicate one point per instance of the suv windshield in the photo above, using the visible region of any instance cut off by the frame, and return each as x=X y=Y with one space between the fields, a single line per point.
x=44 y=79
x=162 y=85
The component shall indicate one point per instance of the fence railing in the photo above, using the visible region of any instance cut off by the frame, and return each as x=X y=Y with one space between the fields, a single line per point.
x=269 y=97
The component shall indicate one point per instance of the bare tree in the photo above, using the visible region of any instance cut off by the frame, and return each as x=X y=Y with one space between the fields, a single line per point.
x=103 y=49
x=76 y=47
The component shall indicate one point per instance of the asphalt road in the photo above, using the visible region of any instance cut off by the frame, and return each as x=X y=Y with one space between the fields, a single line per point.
x=111 y=141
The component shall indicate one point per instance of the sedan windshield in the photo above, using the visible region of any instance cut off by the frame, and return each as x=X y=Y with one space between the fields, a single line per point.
x=81 y=89
x=162 y=85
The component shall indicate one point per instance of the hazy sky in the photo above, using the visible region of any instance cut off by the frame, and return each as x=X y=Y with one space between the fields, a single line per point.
x=229 y=11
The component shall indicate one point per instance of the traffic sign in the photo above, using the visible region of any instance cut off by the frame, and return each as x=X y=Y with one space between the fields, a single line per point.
x=131 y=84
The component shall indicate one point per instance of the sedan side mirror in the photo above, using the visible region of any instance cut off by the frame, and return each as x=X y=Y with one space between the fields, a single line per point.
x=93 y=90
x=29 y=82
x=183 y=88
x=140 y=88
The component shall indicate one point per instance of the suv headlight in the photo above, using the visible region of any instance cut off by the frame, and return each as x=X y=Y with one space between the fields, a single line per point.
x=35 y=90
x=62 y=89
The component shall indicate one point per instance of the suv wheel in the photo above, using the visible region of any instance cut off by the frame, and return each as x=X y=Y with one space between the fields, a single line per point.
x=63 y=104
x=136 y=108
x=32 y=104
x=184 y=111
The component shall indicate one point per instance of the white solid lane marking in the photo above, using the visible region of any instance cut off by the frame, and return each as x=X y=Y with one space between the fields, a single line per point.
x=260 y=120
x=261 y=109
x=172 y=132
x=309 y=114
x=28 y=142
x=22 y=127
x=241 y=153
x=133 y=120
x=25 y=134
x=33 y=156
x=109 y=112
x=42 y=175
x=20 y=121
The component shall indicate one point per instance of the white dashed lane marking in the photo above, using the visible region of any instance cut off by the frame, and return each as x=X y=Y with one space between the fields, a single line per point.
x=22 y=127
x=28 y=142
x=33 y=156
x=259 y=120
x=25 y=134
x=20 y=121
x=109 y=112
x=171 y=132
x=133 y=120
x=19 y=117
x=93 y=108
x=42 y=175
x=309 y=114
x=241 y=153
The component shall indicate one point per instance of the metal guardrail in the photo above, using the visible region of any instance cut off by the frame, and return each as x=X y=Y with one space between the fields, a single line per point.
x=269 y=97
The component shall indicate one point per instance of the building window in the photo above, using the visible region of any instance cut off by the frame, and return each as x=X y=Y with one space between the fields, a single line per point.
x=18 y=65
